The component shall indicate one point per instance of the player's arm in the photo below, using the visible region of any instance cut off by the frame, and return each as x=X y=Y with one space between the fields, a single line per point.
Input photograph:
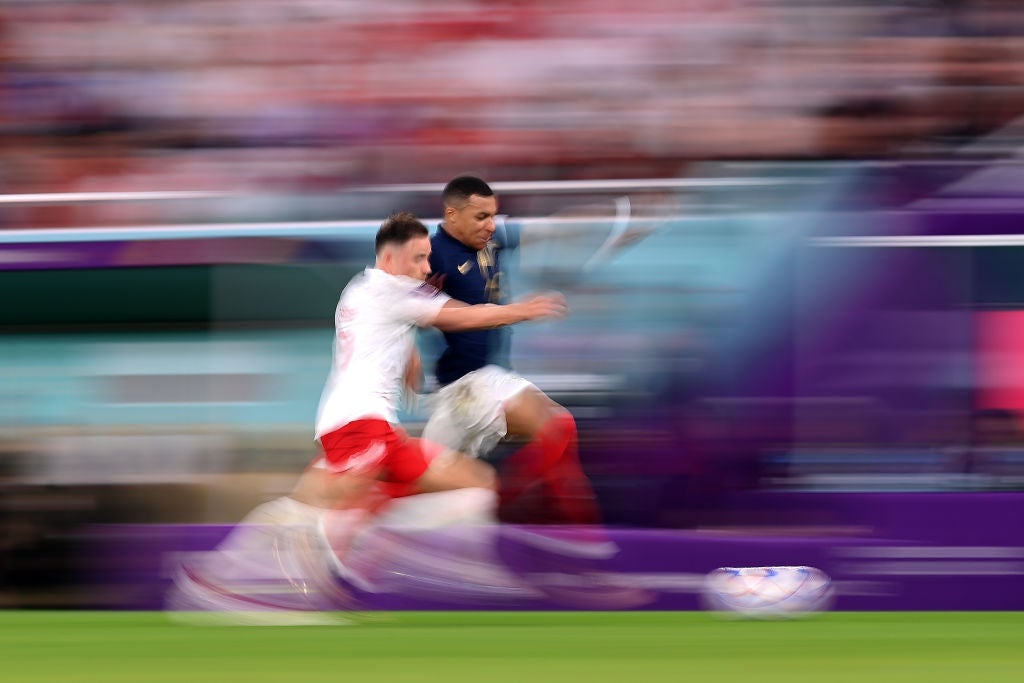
x=457 y=316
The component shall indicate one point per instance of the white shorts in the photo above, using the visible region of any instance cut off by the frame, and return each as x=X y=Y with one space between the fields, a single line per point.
x=468 y=415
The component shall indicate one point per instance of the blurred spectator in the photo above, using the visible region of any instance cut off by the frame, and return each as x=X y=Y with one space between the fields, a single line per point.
x=317 y=95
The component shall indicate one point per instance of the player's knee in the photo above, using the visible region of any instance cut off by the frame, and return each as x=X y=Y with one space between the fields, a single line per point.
x=561 y=425
x=529 y=411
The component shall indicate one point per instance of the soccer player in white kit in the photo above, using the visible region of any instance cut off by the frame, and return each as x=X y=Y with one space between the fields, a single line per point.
x=364 y=450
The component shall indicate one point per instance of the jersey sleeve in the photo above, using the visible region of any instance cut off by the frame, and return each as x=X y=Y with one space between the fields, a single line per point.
x=420 y=304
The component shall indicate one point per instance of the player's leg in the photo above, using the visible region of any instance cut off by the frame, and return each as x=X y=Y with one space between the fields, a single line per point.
x=441 y=536
x=430 y=488
x=266 y=570
x=452 y=488
x=321 y=488
x=447 y=470
x=355 y=459
x=543 y=481
x=278 y=558
x=411 y=483
x=549 y=459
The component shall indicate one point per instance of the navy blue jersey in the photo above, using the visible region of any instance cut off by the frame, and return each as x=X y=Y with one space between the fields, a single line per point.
x=474 y=277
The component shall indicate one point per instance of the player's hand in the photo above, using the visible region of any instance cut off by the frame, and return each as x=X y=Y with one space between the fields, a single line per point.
x=547 y=305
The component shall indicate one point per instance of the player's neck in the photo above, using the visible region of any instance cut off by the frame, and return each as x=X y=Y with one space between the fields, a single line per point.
x=444 y=228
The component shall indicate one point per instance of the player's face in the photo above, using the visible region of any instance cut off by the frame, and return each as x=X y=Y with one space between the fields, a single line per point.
x=413 y=258
x=473 y=223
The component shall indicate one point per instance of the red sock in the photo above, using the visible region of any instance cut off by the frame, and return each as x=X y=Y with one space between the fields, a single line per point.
x=552 y=459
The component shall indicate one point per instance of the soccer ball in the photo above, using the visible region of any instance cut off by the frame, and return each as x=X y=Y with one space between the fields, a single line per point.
x=768 y=592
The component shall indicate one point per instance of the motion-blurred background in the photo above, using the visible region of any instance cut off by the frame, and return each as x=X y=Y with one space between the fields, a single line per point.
x=790 y=232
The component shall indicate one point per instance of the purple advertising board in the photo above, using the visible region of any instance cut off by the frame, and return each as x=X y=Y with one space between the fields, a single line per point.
x=900 y=551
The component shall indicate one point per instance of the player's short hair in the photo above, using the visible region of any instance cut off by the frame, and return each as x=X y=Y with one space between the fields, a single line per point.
x=398 y=229
x=458 y=190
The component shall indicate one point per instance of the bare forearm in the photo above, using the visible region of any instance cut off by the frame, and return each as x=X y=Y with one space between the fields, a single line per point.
x=456 y=316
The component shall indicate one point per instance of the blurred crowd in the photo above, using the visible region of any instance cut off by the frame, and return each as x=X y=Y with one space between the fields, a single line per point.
x=307 y=96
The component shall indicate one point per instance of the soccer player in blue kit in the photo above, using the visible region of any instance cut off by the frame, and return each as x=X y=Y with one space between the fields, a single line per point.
x=481 y=399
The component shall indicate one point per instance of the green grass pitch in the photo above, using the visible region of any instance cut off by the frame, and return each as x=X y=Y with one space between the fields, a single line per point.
x=521 y=647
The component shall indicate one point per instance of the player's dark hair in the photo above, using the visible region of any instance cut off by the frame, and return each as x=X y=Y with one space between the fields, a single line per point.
x=398 y=229
x=458 y=190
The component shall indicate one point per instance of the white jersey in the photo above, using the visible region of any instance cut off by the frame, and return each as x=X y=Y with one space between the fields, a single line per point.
x=374 y=336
